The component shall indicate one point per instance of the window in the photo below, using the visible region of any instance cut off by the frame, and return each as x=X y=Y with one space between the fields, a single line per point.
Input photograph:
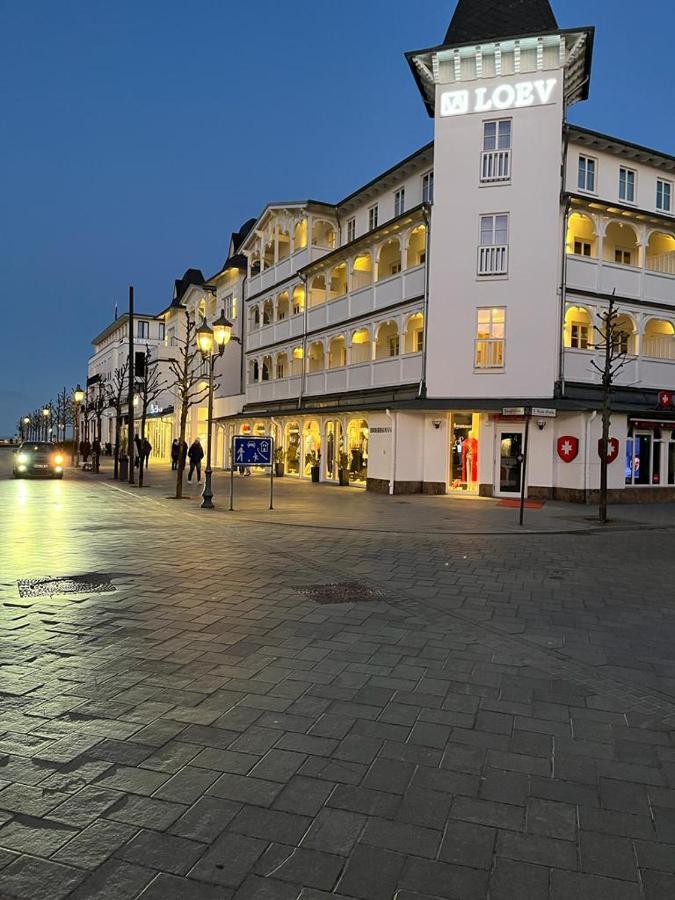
x=490 y=331
x=587 y=168
x=496 y=156
x=494 y=240
x=351 y=230
x=143 y=329
x=582 y=248
x=372 y=217
x=627 y=178
x=162 y=331
x=399 y=202
x=394 y=345
x=281 y=370
x=428 y=188
x=419 y=341
x=395 y=268
x=624 y=257
x=139 y=364
x=230 y=305
x=579 y=336
x=664 y=195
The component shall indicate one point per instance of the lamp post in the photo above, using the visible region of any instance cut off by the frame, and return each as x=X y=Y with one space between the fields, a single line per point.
x=211 y=343
x=25 y=422
x=45 y=415
x=78 y=397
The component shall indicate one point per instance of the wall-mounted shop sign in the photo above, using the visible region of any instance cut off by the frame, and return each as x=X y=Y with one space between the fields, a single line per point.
x=504 y=96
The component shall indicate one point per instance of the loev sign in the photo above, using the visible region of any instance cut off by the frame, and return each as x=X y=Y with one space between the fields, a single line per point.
x=504 y=96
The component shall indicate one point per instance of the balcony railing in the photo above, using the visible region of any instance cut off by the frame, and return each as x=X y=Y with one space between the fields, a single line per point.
x=489 y=353
x=663 y=263
x=495 y=165
x=493 y=260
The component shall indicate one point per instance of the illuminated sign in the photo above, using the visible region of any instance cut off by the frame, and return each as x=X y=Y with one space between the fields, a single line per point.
x=504 y=96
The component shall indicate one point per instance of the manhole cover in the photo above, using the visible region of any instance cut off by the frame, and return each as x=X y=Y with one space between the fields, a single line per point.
x=66 y=584
x=345 y=592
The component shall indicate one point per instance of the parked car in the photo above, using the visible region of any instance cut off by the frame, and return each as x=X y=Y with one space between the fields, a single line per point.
x=38 y=458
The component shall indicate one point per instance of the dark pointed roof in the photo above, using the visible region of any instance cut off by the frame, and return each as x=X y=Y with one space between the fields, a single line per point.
x=235 y=259
x=480 y=21
x=191 y=276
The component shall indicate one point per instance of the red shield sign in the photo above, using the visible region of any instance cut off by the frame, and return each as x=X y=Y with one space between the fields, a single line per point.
x=612 y=452
x=665 y=399
x=568 y=448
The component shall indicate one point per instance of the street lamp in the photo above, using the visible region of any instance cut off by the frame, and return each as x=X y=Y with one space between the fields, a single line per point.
x=25 y=422
x=78 y=397
x=211 y=343
x=45 y=414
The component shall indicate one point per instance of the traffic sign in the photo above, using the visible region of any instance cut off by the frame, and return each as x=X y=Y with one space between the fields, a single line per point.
x=252 y=451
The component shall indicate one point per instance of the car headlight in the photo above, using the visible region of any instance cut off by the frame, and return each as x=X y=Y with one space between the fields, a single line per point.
x=58 y=459
x=22 y=468
x=22 y=458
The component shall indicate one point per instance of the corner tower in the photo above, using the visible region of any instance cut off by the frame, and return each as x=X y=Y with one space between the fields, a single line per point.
x=498 y=89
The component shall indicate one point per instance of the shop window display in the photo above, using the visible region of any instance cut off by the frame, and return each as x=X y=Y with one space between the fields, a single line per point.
x=464 y=450
x=358 y=451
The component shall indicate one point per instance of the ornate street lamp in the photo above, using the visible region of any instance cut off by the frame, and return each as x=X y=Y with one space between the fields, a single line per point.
x=78 y=397
x=25 y=422
x=45 y=415
x=211 y=343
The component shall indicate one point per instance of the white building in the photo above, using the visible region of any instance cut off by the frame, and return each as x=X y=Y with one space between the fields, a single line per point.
x=390 y=331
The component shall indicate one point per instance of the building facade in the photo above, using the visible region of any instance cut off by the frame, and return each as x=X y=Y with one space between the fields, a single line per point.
x=402 y=333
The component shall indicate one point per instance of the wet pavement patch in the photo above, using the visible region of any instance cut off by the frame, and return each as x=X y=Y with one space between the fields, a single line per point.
x=341 y=592
x=93 y=583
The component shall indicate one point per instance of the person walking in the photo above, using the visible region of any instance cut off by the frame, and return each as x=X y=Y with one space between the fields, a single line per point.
x=147 y=450
x=195 y=455
x=175 y=454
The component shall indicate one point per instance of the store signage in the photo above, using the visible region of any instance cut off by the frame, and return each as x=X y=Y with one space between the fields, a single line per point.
x=541 y=413
x=665 y=399
x=568 y=448
x=651 y=425
x=513 y=411
x=504 y=96
x=612 y=451
x=385 y=429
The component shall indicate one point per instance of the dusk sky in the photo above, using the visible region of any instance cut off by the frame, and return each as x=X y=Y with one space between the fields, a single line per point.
x=137 y=135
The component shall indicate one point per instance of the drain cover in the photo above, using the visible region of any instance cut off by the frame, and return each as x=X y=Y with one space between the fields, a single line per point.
x=344 y=592
x=65 y=584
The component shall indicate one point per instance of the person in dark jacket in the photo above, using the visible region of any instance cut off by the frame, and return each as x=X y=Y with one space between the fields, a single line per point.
x=175 y=454
x=195 y=455
x=147 y=450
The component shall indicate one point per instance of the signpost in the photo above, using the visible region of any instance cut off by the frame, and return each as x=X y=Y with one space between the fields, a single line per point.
x=527 y=412
x=251 y=451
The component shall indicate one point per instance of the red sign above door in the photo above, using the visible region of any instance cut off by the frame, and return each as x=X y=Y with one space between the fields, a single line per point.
x=568 y=448
x=612 y=450
x=665 y=399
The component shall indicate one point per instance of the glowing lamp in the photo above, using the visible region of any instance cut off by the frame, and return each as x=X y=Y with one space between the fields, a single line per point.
x=204 y=338
x=45 y=412
x=26 y=420
x=78 y=395
x=222 y=332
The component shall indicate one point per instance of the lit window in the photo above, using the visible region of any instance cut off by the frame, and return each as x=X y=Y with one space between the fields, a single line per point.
x=579 y=335
x=394 y=345
x=493 y=252
x=351 y=230
x=664 y=195
x=490 y=334
x=624 y=257
x=582 y=248
x=230 y=304
x=399 y=202
x=627 y=178
x=428 y=188
x=419 y=341
x=587 y=169
x=372 y=217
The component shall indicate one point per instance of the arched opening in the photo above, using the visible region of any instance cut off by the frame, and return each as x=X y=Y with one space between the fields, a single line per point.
x=298 y=299
x=315 y=357
x=578 y=329
x=317 y=291
x=284 y=239
x=268 y=255
x=661 y=253
x=389 y=261
x=254 y=317
x=360 y=352
x=338 y=281
x=581 y=237
x=282 y=365
x=268 y=312
x=300 y=235
x=253 y=371
x=658 y=341
x=323 y=235
x=297 y=357
x=626 y=335
x=387 y=341
x=357 y=450
x=266 y=368
x=337 y=352
x=283 y=306
x=312 y=448
x=255 y=264
x=292 y=441
x=362 y=271
x=202 y=309
x=417 y=246
x=336 y=458
x=414 y=334
x=621 y=244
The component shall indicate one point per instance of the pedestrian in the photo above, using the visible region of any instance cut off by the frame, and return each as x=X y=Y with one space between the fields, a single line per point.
x=196 y=455
x=182 y=454
x=86 y=450
x=139 y=450
x=175 y=454
x=147 y=450
x=96 y=449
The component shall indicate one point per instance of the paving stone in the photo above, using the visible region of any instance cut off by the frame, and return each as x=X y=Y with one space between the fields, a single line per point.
x=245 y=790
x=229 y=860
x=389 y=776
x=371 y=873
x=187 y=785
x=114 y=879
x=504 y=787
x=86 y=806
x=278 y=765
x=311 y=868
x=94 y=844
x=164 y=852
x=401 y=837
x=133 y=780
x=551 y=819
x=36 y=836
x=567 y=885
x=172 y=887
x=304 y=796
x=270 y=824
x=656 y=856
x=444 y=880
x=664 y=820
x=171 y=757
x=510 y=880
x=466 y=844
x=658 y=885
x=225 y=761
x=206 y=819
x=335 y=831
x=424 y=807
x=535 y=849
x=255 y=888
x=146 y=812
x=30 y=878
x=621 y=824
x=603 y=854
x=30 y=800
x=486 y=812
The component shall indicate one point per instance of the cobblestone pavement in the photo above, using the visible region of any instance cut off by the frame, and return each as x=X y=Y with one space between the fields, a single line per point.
x=495 y=718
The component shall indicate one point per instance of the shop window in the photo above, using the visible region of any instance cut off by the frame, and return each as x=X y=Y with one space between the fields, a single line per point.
x=464 y=434
x=292 y=452
x=644 y=458
x=490 y=338
x=357 y=452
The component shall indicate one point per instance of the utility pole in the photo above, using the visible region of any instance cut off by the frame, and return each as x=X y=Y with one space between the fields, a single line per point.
x=132 y=377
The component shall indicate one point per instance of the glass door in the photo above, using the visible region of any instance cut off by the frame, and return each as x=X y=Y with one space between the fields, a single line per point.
x=510 y=462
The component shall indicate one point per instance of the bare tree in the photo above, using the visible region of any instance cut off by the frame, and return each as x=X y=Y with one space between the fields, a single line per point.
x=187 y=387
x=118 y=391
x=613 y=343
x=149 y=388
x=100 y=402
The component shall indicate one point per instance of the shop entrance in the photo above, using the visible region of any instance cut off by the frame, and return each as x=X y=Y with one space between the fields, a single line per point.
x=509 y=461
x=464 y=450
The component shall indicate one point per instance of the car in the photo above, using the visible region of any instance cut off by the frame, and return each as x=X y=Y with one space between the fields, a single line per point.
x=38 y=458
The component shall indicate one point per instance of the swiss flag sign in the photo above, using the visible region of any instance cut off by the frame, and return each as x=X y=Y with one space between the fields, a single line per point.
x=612 y=450
x=665 y=399
x=568 y=448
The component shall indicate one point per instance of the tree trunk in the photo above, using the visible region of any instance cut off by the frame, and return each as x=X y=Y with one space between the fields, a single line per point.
x=604 y=447
x=142 y=453
x=118 y=428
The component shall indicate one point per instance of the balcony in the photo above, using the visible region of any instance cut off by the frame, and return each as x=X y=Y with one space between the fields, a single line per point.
x=495 y=166
x=285 y=329
x=493 y=260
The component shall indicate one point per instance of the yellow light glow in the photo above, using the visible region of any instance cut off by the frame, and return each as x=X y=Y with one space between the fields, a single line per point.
x=298 y=353
x=58 y=459
x=78 y=396
x=26 y=420
x=222 y=334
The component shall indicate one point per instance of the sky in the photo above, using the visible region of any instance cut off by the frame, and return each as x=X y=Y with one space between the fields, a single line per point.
x=136 y=136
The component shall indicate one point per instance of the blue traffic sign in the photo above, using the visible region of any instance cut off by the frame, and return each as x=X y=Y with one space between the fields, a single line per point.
x=252 y=451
